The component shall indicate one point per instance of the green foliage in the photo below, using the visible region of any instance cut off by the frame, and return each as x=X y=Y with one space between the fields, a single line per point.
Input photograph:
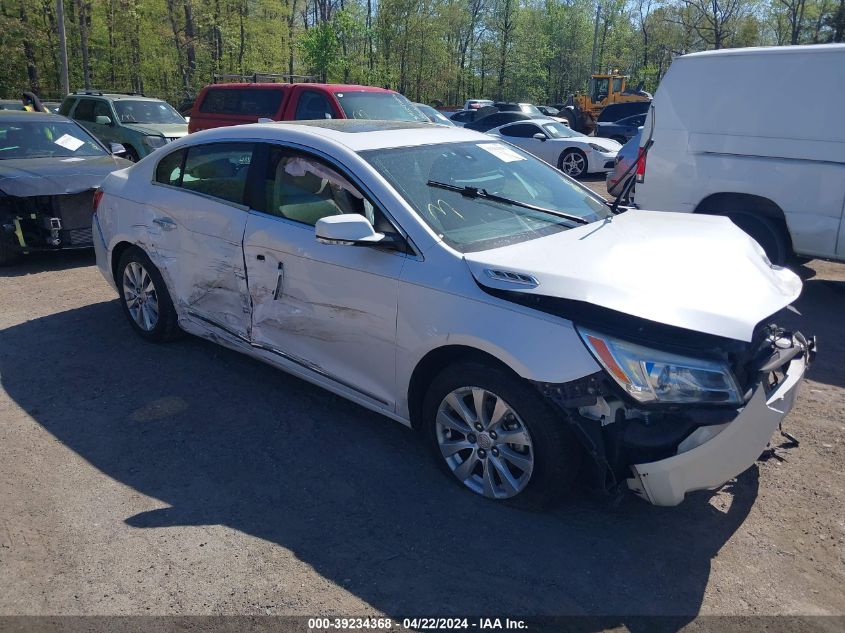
x=320 y=49
x=446 y=50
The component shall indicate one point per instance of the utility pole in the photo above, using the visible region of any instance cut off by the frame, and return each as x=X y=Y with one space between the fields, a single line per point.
x=595 y=39
x=60 y=19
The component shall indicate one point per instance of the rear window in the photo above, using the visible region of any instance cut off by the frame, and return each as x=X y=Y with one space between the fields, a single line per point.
x=254 y=102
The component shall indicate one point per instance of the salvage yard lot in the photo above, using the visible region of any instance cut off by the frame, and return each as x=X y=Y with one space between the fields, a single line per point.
x=188 y=479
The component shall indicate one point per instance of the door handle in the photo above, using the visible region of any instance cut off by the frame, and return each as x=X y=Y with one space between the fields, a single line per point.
x=165 y=223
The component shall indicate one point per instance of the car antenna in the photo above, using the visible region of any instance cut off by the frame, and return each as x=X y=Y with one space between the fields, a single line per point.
x=614 y=208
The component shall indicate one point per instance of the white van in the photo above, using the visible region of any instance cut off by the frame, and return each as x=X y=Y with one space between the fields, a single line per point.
x=757 y=135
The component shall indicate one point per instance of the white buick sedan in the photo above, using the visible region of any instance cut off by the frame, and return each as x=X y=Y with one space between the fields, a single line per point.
x=464 y=288
x=575 y=154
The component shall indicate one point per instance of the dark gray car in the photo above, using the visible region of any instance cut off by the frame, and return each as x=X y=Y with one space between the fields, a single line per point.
x=621 y=130
x=49 y=168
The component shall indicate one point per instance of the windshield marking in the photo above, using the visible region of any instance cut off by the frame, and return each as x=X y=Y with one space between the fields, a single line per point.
x=504 y=154
x=69 y=142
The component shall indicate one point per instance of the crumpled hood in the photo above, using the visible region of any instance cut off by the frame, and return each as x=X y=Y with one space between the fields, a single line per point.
x=25 y=177
x=697 y=272
x=170 y=130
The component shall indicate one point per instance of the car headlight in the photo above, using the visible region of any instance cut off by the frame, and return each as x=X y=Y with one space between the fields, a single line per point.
x=652 y=376
x=599 y=148
x=154 y=142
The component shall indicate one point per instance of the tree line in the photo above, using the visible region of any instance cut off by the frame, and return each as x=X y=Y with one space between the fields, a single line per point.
x=430 y=50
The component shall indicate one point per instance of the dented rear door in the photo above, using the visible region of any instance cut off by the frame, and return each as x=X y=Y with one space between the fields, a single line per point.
x=204 y=218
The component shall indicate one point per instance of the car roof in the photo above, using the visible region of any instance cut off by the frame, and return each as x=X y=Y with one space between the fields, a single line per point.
x=116 y=96
x=355 y=134
x=16 y=116
x=322 y=87
x=768 y=50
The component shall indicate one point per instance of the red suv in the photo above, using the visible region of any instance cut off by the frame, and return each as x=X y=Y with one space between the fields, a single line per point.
x=219 y=105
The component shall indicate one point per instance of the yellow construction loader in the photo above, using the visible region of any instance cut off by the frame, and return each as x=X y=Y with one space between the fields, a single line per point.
x=583 y=110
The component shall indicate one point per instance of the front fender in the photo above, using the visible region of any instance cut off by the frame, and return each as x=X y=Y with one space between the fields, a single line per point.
x=536 y=346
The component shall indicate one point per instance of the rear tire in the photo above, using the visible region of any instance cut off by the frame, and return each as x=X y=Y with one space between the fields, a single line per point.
x=543 y=448
x=144 y=297
x=766 y=233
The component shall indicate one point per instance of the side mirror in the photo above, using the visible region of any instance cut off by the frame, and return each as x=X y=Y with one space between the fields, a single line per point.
x=348 y=229
x=102 y=120
x=117 y=149
x=540 y=136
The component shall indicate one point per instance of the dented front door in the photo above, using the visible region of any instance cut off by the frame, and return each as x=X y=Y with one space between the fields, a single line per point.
x=328 y=308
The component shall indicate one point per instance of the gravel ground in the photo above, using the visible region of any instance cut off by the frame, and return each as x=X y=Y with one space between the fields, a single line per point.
x=187 y=479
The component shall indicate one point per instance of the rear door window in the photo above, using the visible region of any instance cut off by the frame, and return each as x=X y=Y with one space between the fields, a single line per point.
x=252 y=102
x=169 y=169
x=218 y=170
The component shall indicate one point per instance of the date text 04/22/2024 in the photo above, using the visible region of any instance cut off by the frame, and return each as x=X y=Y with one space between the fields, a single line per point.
x=417 y=624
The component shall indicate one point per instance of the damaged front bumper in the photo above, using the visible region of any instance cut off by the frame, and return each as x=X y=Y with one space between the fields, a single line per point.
x=726 y=450
x=662 y=453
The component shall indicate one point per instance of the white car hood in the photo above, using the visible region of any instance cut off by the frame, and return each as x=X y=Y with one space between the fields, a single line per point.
x=697 y=272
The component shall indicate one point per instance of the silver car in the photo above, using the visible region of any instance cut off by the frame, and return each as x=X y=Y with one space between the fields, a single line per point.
x=626 y=157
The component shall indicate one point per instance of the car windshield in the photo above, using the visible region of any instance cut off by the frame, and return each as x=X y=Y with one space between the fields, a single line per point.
x=384 y=106
x=147 y=112
x=559 y=130
x=41 y=139
x=470 y=223
x=527 y=108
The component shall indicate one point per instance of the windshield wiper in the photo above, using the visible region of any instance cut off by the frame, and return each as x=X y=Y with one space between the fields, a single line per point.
x=476 y=192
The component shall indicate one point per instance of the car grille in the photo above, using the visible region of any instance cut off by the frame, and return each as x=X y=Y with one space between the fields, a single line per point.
x=170 y=139
x=609 y=164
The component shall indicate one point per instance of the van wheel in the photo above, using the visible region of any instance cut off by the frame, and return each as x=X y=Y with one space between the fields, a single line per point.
x=766 y=233
x=495 y=435
x=573 y=163
x=144 y=297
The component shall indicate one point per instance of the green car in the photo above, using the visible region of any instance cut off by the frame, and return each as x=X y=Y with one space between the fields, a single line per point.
x=141 y=124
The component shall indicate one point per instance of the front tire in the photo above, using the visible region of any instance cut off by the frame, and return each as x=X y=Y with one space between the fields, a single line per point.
x=495 y=435
x=144 y=297
x=573 y=163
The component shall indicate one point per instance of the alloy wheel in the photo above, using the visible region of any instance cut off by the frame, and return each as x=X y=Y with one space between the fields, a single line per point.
x=573 y=164
x=140 y=295
x=484 y=442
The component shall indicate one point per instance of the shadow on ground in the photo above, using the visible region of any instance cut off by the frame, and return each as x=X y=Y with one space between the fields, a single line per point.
x=226 y=440
x=39 y=262
x=821 y=307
